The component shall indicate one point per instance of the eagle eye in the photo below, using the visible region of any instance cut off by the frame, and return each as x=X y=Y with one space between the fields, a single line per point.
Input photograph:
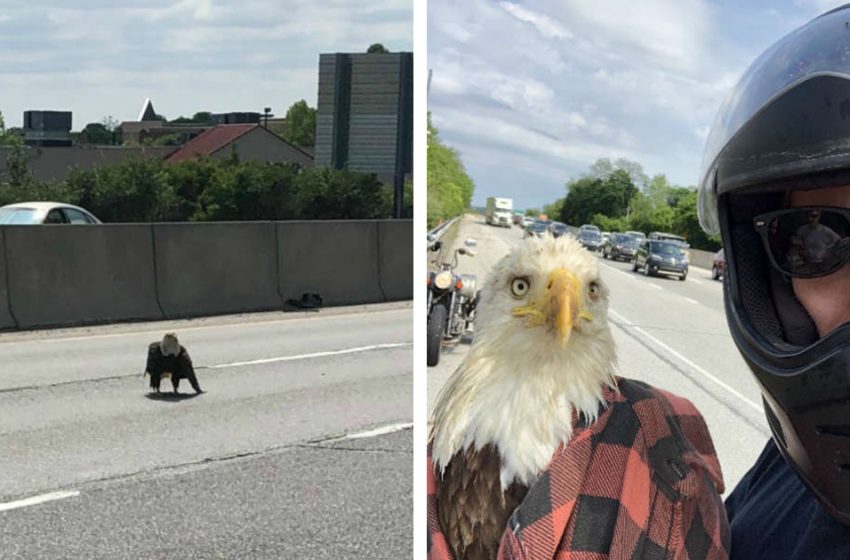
x=594 y=290
x=519 y=287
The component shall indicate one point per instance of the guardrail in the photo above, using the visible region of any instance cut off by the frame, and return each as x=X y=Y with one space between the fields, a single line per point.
x=76 y=275
x=436 y=233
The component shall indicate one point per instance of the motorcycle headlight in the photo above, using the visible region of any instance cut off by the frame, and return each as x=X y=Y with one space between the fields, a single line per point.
x=443 y=280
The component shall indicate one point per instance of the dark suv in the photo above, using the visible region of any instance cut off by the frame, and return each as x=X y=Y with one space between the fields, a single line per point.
x=590 y=239
x=620 y=246
x=661 y=257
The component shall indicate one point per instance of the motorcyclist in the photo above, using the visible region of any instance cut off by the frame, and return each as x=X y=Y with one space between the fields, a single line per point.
x=777 y=159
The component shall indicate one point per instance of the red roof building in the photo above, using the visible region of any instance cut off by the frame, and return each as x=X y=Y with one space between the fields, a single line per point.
x=250 y=142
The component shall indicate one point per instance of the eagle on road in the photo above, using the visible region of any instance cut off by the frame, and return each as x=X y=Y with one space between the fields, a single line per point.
x=168 y=358
x=542 y=366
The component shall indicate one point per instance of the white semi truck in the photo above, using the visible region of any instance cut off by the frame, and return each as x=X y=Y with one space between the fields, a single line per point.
x=499 y=211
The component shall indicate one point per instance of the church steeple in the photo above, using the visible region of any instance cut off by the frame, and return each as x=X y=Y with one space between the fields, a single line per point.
x=147 y=113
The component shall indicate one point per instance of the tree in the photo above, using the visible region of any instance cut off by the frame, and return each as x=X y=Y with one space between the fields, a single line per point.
x=201 y=117
x=377 y=48
x=602 y=168
x=9 y=136
x=589 y=196
x=110 y=122
x=96 y=133
x=532 y=212
x=449 y=187
x=175 y=139
x=686 y=222
x=17 y=166
x=554 y=209
x=340 y=194
x=300 y=126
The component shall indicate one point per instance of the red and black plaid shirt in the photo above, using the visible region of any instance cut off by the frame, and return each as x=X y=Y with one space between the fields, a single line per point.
x=642 y=482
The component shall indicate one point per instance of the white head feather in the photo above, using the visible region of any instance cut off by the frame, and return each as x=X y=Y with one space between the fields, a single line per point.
x=169 y=346
x=519 y=385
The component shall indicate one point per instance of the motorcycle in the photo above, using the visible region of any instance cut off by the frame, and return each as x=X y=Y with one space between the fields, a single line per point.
x=452 y=299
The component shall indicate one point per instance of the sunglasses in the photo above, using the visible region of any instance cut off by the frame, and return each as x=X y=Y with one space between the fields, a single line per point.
x=806 y=242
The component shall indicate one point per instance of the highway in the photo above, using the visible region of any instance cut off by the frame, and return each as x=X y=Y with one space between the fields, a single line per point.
x=300 y=447
x=670 y=334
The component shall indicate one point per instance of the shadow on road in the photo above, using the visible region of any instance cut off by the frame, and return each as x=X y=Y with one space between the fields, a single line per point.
x=169 y=396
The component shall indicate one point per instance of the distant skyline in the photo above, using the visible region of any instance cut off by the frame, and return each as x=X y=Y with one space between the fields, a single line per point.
x=531 y=93
x=102 y=58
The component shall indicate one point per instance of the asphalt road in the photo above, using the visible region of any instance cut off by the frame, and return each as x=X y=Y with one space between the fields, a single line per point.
x=670 y=334
x=300 y=447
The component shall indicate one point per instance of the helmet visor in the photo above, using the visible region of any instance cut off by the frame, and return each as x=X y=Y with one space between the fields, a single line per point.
x=806 y=242
x=821 y=48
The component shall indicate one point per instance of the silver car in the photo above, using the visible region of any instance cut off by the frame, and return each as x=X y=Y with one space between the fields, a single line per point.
x=34 y=213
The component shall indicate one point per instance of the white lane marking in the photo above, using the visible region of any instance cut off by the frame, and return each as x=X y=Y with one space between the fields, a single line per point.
x=389 y=429
x=379 y=431
x=623 y=272
x=60 y=338
x=35 y=500
x=691 y=300
x=311 y=355
x=711 y=377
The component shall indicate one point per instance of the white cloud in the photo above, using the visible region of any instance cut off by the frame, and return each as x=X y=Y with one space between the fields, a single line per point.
x=457 y=32
x=98 y=57
x=672 y=32
x=545 y=86
x=819 y=6
x=548 y=27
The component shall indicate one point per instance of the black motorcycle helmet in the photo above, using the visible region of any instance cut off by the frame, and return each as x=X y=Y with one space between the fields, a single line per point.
x=785 y=126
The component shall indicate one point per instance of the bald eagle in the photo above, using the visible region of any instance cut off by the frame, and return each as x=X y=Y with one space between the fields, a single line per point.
x=543 y=351
x=168 y=358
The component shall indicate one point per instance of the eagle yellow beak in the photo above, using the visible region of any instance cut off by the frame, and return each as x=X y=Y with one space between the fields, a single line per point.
x=559 y=306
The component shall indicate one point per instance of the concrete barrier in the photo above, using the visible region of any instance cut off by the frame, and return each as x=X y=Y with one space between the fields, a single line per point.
x=395 y=238
x=216 y=268
x=701 y=259
x=6 y=319
x=77 y=275
x=336 y=259
x=72 y=275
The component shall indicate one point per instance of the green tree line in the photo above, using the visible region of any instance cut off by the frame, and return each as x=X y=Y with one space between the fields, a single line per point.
x=150 y=190
x=449 y=187
x=619 y=196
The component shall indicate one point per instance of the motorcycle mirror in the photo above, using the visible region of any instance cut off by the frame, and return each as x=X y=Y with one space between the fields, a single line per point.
x=431 y=238
x=462 y=251
x=470 y=242
x=437 y=246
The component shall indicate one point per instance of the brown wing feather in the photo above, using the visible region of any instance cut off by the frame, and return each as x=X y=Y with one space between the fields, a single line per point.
x=473 y=510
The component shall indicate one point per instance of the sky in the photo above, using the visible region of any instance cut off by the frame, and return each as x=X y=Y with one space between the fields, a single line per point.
x=532 y=92
x=102 y=58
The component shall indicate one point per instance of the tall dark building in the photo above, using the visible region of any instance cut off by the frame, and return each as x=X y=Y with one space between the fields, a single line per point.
x=47 y=128
x=364 y=119
x=236 y=118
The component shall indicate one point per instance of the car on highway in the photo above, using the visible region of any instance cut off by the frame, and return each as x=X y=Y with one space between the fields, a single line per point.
x=661 y=257
x=718 y=265
x=527 y=221
x=538 y=229
x=557 y=229
x=671 y=237
x=639 y=235
x=517 y=218
x=35 y=213
x=620 y=246
x=590 y=239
